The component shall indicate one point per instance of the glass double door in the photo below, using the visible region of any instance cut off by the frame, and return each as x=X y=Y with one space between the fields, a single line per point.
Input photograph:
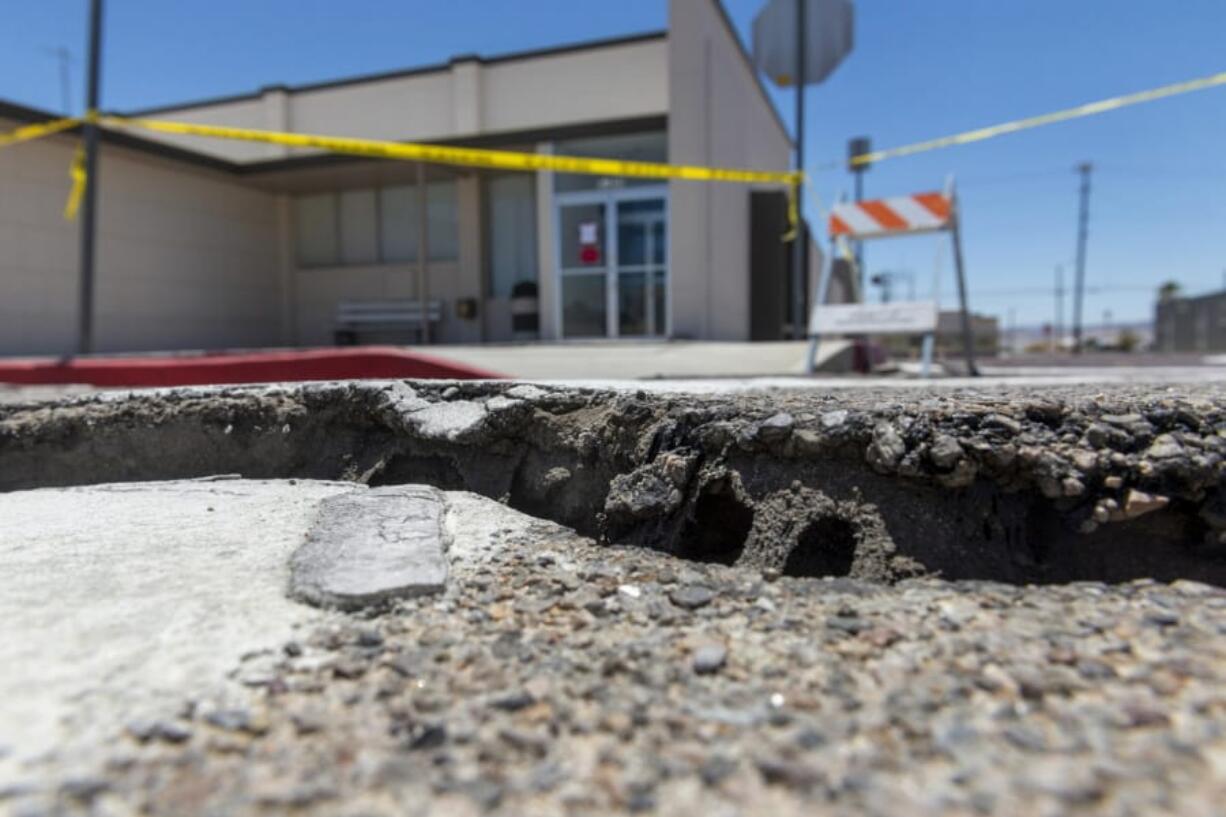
x=613 y=270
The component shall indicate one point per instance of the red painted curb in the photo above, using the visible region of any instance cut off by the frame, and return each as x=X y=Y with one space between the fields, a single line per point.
x=213 y=368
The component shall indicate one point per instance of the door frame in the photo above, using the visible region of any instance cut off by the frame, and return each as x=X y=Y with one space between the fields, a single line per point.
x=610 y=198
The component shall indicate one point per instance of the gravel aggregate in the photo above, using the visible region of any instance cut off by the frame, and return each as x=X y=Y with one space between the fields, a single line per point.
x=558 y=674
x=539 y=683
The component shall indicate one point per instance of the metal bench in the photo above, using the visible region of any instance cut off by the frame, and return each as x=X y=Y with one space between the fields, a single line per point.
x=391 y=315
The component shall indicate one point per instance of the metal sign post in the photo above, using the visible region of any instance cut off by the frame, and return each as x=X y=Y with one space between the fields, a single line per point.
x=89 y=210
x=856 y=147
x=968 y=338
x=801 y=240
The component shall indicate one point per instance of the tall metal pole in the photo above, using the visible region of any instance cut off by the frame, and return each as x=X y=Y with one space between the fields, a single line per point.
x=968 y=339
x=1082 y=232
x=1057 y=330
x=859 y=146
x=89 y=203
x=859 y=198
x=801 y=241
x=423 y=252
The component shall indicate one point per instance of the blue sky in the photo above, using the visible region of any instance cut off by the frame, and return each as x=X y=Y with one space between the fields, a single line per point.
x=920 y=69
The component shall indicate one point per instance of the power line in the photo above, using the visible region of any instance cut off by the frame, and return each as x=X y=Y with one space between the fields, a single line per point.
x=1046 y=291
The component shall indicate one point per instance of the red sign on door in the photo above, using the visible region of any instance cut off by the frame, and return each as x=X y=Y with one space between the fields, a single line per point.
x=589 y=243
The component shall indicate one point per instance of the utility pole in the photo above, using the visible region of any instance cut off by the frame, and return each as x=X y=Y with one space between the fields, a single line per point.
x=64 y=57
x=89 y=204
x=801 y=241
x=1083 y=223
x=1057 y=328
x=859 y=146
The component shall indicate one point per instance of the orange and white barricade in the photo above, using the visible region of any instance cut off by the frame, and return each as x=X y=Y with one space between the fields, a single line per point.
x=883 y=218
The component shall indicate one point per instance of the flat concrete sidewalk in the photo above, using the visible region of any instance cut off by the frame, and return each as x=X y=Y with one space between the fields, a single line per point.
x=123 y=601
x=638 y=360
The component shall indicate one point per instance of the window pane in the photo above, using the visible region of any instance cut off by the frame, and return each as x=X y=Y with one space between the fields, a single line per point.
x=315 y=230
x=650 y=146
x=583 y=236
x=632 y=303
x=398 y=223
x=583 y=306
x=443 y=221
x=512 y=232
x=358 y=232
x=661 y=303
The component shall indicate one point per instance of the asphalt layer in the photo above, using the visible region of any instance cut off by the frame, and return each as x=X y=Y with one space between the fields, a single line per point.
x=629 y=671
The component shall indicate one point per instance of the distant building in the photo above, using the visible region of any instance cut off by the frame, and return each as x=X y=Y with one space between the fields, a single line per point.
x=985 y=329
x=1196 y=324
x=208 y=244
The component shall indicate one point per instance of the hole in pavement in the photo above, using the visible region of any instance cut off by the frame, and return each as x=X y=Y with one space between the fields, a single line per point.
x=826 y=547
x=555 y=466
x=717 y=530
x=430 y=470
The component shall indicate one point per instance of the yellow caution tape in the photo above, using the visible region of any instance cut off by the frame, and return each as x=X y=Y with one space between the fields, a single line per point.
x=76 y=171
x=1088 y=109
x=479 y=157
x=79 y=180
x=469 y=157
x=28 y=133
x=793 y=213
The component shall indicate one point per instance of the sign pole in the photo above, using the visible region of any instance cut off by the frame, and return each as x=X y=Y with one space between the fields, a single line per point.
x=968 y=340
x=800 y=241
x=823 y=292
x=89 y=208
x=423 y=253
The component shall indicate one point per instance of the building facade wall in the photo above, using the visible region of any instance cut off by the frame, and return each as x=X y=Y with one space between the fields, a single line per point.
x=598 y=85
x=187 y=258
x=317 y=291
x=1191 y=324
x=718 y=116
x=198 y=258
x=466 y=98
x=469 y=97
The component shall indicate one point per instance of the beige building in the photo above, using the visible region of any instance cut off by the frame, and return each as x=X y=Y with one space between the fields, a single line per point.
x=211 y=244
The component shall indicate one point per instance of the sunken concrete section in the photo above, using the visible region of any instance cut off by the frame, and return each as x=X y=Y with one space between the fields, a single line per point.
x=368 y=548
x=1021 y=485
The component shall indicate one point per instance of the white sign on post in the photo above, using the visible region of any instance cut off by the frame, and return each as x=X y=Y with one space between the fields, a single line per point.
x=903 y=318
